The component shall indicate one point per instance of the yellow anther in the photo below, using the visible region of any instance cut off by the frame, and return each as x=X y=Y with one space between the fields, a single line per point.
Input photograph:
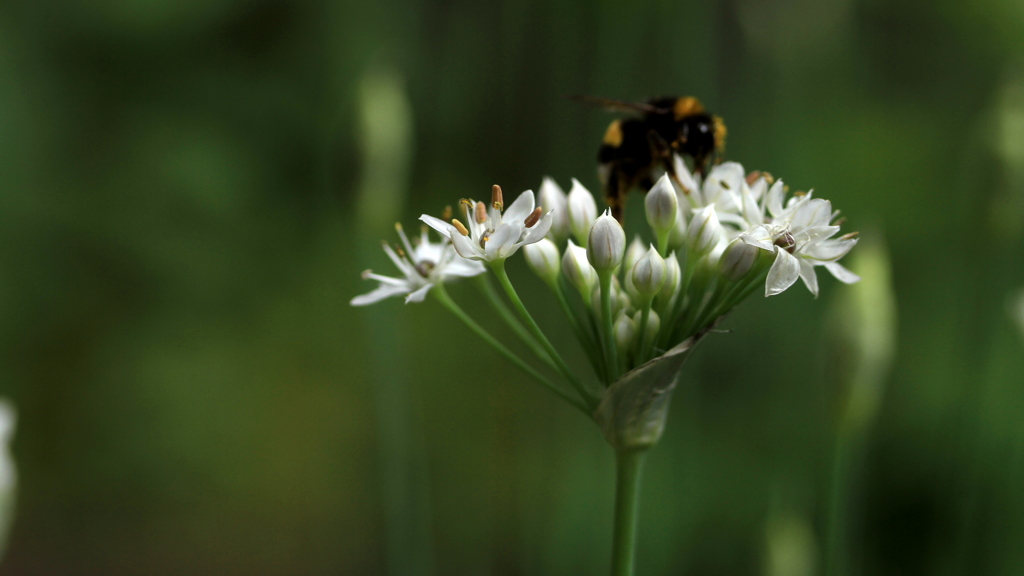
x=460 y=227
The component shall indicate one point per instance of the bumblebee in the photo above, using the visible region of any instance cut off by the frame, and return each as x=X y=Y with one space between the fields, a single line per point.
x=633 y=148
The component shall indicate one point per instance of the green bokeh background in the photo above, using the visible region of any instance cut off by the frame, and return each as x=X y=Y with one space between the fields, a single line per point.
x=191 y=188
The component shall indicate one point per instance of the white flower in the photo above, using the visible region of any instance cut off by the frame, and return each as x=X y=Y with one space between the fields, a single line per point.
x=662 y=206
x=705 y=231
x=422 y=266
x=492 y=233
x=800 y=234
x=649 y=273
x=582 y=211
x=577 y=269
x=544 y=259
x=606 y=243
x=552 y=197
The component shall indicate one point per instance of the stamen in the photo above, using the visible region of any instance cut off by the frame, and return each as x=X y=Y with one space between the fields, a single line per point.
x=752 y=177
x=481 y=213
x=786 y=242
x=496 y=200
x=366 y=274
x=768 y=177
x=849 y=236
x=460 y=227
x=534 y=217
x=447 y=214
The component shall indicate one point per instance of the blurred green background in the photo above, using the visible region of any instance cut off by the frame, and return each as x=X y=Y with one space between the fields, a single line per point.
x=191 y=188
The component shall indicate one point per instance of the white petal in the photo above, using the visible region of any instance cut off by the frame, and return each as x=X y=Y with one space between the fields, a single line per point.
x=505 y=236
x=686 y=182
x=521 y=208
x=466 y=247
x=462 y=268
x=783 y=273
x=808 y=276
x=813 y=212
x=827 y=250
x=401 y=263
x=385 y=279
x=437 y=224
x=758 y=188
x=774 y=199
x=419 y=295
x=751 y=211
x=759 y=236
x=842 y=274
x=540 y=229
x=379 y=293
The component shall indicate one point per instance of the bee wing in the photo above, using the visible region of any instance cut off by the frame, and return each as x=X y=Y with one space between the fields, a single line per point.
x=613 y=105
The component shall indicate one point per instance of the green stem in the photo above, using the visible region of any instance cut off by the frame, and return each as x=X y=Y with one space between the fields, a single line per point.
x=586 y=340
x=645 y=314
x=447 y=302
x=589 y=399
x=627 y=496
x=499 y=306
x=607 y=326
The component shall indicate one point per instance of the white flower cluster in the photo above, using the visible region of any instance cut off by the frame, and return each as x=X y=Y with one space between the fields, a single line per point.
x=712 y=242
x=423 y=264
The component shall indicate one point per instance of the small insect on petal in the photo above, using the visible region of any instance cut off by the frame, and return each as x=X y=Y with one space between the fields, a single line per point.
x=481 y=213
x=534 y=217
x=496 y=200
x=460 y=227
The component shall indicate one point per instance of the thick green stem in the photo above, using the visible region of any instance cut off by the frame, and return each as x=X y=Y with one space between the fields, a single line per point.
x=510 y=318
x=442 y=295
x=589 y=399
x=627 y=497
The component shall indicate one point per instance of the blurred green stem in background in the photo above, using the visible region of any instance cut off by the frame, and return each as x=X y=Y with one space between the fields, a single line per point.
x=628 y=464
x=385 y=122
x=866 y=317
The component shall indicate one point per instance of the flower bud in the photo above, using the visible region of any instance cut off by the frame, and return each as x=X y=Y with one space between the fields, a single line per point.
x=625 y=333
x=653 y=323
x=704 y=231
x=649 y=273
x=552 y=198
x=662 y=206
x=677 y=236
x=582 y=211
x=543 y=259
x=578 y=270
x=634 y=252
x=606 y=243
x=673 y=275
x=737 y=260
